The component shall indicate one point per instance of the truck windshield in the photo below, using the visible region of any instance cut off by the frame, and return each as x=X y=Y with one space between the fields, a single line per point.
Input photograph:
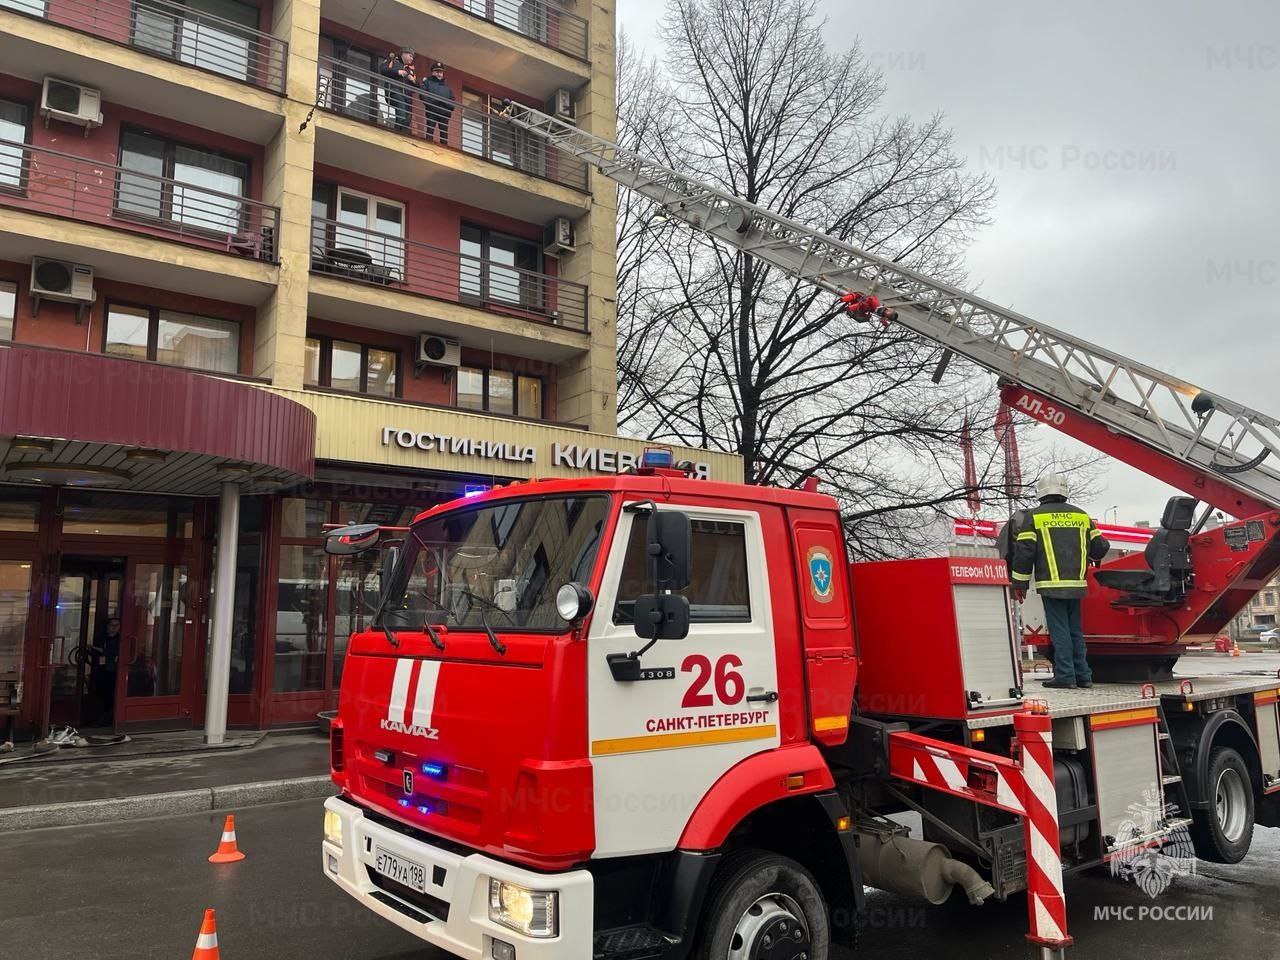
x=499 y=565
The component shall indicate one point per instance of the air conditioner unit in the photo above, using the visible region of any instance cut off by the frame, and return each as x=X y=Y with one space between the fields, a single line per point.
x=64 y=100
x=561 y=105
x=557 y=237
x=440 y=351
x=64 y=282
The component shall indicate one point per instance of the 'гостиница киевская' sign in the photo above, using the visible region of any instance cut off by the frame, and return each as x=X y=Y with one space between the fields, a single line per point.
x=568 y=455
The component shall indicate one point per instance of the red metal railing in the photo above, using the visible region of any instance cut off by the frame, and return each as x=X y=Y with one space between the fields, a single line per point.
x=538 y=20
x=172 y=31
x=62 y=184
x=354 y=253
x=372 y=98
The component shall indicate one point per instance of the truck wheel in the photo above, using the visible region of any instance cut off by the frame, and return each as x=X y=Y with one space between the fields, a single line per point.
x=1222 y=833
x=765 y=907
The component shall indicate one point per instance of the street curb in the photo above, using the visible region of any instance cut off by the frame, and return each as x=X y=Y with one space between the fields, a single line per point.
x=165 y=804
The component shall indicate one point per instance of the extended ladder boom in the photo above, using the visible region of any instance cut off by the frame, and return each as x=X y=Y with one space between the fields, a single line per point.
x=1207 y=433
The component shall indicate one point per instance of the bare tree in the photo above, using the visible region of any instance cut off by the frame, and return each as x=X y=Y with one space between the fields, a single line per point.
x=717 y=349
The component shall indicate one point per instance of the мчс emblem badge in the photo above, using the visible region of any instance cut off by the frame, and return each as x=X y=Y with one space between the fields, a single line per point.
x=820 y=574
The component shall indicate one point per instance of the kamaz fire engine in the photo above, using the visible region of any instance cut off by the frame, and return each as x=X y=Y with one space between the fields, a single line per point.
x=657 y=716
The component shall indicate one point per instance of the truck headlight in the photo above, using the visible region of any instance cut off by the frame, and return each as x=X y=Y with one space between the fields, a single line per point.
x=535 y=913
x=333 y=828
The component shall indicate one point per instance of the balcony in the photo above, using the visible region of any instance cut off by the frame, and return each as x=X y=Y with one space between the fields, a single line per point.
x=529 y=45
x=366 y=257
x=173 y=32
x=236 y=234
x=370 y=98
x=157 y=56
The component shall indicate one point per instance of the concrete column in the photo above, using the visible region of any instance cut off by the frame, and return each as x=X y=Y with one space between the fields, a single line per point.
x=224 y=589
x=282 y=321
x=587 y=384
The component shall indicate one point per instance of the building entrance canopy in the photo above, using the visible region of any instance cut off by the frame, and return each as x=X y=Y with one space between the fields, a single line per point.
x=92 y=420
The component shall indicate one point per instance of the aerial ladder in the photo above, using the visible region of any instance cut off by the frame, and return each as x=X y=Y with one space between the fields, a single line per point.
x=1220 y=452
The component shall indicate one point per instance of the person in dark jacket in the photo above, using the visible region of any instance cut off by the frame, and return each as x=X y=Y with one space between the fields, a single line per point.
x=398 y=68
x=1055 y=544
x=438 y=99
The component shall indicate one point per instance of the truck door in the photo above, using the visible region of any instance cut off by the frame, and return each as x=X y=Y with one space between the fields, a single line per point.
x=705 y=703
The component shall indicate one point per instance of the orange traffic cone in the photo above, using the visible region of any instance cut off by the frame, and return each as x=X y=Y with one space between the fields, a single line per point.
x=207 y=942
x=227 y=851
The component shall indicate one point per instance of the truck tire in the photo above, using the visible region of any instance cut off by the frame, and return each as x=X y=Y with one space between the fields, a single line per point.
x=1222 y=833
x=764 y=907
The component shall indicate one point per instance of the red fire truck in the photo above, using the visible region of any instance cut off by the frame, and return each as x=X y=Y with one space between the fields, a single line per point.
x=657 y=716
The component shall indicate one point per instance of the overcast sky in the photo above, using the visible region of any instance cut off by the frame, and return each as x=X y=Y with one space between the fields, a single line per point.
x=1136 y=148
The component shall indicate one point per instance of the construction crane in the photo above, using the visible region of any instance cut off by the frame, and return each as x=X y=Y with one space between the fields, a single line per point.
x=1221 y=452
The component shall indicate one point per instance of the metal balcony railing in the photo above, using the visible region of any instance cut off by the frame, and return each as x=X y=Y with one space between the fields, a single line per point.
x=356 y=253
x=372 y=98
x=172 y=31
x=547 y=23
x=48 y=181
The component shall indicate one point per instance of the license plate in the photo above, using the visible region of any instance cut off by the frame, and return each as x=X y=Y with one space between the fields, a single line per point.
x=401 y=870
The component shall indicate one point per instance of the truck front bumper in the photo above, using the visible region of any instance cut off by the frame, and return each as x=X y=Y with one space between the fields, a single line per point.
x=454 y=914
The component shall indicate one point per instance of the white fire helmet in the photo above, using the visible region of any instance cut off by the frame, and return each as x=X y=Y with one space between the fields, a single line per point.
x=1051 y=484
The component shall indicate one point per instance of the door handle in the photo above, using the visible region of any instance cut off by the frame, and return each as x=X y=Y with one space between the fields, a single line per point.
x=762 y=696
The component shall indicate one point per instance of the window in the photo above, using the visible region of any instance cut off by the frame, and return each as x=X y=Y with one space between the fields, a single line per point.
x=173 y=338
x=1270 y=598
x=34 y=7
x=493 y=138
x=13 y=132
x=184 y=185
x=351 y=367
x=718 y=590
x=499 y=391
x=497 y=268
x=217 y=35
x=350 y=82
x=372 y=226
x=8 y=308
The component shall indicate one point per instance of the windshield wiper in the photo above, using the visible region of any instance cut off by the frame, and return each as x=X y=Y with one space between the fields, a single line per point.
x=391 y=637
x=430 y=631
x=494 y=642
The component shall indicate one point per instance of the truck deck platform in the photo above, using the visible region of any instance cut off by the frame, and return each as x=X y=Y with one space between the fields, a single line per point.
x=1108 y=697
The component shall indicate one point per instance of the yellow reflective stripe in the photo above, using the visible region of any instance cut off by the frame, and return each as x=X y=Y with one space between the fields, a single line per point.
x=1084 y=552
x=1094 y=532
x=1051 y=584
x=1049 y=556
x=1021 y=576
x=1028 y=535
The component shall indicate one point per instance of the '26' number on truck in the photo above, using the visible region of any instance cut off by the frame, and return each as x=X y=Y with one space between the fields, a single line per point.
x=729 y=685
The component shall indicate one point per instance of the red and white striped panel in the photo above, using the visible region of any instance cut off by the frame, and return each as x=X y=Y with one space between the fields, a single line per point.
x=981 y=777
x=1046 y=902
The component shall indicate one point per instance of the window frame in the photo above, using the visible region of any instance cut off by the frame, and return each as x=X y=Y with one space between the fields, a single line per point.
x=29 y=111
x=153 y=334
x=253 y=57
x=326 y=367
x=516 y=375
x=166 y=217
x=487 y=234
x=12 y=321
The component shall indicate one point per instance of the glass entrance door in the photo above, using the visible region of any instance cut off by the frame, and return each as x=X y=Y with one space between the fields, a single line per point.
x=156 y=625
x=85 y=646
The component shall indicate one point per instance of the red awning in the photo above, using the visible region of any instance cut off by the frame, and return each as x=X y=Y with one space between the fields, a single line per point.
x=107 y=414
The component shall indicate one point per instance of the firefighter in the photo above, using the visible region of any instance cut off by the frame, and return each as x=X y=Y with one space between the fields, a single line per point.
x=1055 y=543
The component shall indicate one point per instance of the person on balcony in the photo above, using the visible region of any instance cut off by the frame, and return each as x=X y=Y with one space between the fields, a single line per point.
x=398 y=68
x=439 y=101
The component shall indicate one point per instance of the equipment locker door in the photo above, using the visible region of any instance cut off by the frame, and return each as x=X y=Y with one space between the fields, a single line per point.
x=706 y=702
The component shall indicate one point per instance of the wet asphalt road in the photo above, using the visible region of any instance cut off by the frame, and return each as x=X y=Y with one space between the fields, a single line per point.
x=138 y=890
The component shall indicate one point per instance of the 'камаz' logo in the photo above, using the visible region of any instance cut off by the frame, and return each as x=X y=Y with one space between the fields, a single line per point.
x=820 y=574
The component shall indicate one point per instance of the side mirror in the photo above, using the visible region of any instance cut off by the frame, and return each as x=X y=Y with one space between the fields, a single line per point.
x=669 y=538
x=349 y=540
x=662 y=616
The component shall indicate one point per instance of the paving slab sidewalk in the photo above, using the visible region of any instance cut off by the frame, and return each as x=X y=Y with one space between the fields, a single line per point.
x=263 y=769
